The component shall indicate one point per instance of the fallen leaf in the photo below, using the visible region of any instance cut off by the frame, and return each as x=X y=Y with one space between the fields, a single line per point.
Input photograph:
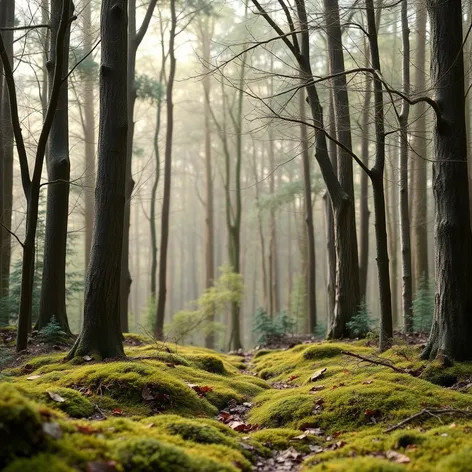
x=56 y=397
x=301 y=437
x=453 y=425
x=200 y=389
x=314 y=431
x=117 y=412
x=85 y=429
x=88 y=393
x=292 y=377
x=109 y=466
x=242 y=427
x=345 y=371
x=170 y=364
x=317 y=388
x=367 y=382
x=395 y=456
x=370 y=413
x=53 y=430
x=33 y=377
x=318 y=374
x=315 y=449
x=87 y=358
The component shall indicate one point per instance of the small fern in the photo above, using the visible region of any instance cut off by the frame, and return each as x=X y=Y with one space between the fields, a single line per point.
x=52 y=333
x=362 y=323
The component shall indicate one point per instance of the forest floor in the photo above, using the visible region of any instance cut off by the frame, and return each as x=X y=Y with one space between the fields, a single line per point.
x=326 y=406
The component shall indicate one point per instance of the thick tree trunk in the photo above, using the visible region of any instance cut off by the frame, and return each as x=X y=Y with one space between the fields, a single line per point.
x=89 y=135
x=346 y=238
x=161 y=300
x=53 y=287
x=419 y=216
x=101 y=333
x=452 y=325
x=407 y=291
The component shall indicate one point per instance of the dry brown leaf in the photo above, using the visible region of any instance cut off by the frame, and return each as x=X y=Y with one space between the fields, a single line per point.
x=56 y=397
x=318 y=374
x=397 y=457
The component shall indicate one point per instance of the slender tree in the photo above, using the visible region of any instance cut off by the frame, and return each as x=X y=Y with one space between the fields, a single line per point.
x=7 y=14
x=407 y=291
x=135 y=38
x=53 y=287
x=101 y=332
x=31 y=185
x=161 y=300
x=419 y=221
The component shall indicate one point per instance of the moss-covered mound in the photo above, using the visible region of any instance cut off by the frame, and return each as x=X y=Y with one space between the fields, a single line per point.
x=156 y=410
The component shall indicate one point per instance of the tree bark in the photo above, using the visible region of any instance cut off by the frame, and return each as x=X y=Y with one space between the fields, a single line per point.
x=452 y=325
x=101 y=333
x=53 y=286
x=348 y=288
x=407 y=291
x=209 y=218
x=89 y=135
x=134 y=40
x=309 y=227
x=6 y=165
x=161 y=300
x=377 y=178
x=420 y=145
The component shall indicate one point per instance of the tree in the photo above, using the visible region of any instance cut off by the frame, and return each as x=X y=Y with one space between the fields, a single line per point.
x=53 y=287
x=135 y=38
x=452 y=325
x=419 y=219
x=407 y=291
x=101 y=332
x=7 y=15
x=32 y=185
x=347 y=270
x=161 y=300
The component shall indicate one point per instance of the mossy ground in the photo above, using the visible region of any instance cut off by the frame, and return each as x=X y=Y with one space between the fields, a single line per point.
x=140 y=414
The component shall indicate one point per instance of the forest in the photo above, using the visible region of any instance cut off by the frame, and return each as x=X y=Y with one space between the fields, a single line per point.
x=235 y=235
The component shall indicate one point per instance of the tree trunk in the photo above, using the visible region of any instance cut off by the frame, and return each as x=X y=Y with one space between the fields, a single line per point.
x=330 y=246
x=209 y=219
x=419 y=187
x=53 y=287
x=348 y=288
x=364 y=213
x=6 y=164
x=309 y=228
x=452 y=325
x=101 y=333
x=407 y=291
x=89 y=135
x=161 y=300
x=134 y=39
x=377 y=178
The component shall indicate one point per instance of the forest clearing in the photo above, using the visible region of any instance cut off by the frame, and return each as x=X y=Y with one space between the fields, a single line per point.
x=235 y=235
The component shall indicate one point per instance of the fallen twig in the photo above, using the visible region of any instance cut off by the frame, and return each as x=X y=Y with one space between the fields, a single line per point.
x=377 y=362
x=426 y=411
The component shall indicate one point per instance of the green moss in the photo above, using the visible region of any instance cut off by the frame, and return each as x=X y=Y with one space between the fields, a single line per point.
x=262 y=352
x=209 y=364
x=457 y=462
x=447 y=376
x=75 y=404
x=357 y=465
x=282 y=438
x=150 y=455
x=21 y=433
x=40 y=463
x=322 y=351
